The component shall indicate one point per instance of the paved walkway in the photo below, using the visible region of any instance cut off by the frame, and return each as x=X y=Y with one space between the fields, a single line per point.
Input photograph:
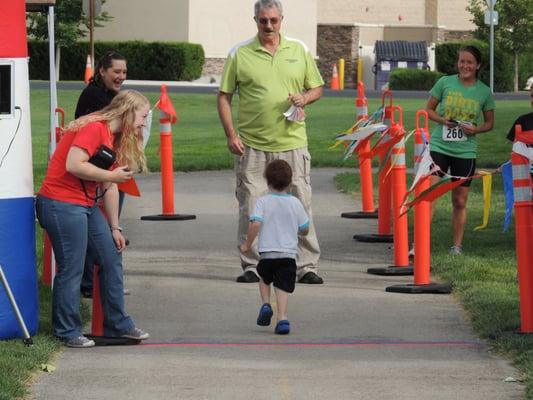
x=350 y=339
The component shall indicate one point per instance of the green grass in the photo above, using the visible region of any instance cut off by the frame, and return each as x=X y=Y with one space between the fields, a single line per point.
x=199 y=144
x=485 y=277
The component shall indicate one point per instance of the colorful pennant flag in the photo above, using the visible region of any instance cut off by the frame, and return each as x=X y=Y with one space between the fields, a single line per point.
x=130 y=187
x=507 y=175
x=487 y=191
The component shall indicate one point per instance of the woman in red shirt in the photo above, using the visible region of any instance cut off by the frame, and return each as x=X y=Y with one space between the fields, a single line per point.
x=66 y=208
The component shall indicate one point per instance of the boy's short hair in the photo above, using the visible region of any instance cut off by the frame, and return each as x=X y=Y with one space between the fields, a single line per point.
x=278 y=174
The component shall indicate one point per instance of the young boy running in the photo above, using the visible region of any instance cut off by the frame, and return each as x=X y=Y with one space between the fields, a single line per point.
x=278 y=218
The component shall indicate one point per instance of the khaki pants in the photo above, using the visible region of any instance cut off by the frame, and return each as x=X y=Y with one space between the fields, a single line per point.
x=251 y=184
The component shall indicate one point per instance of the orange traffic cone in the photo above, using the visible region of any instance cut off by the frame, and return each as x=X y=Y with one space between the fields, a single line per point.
x=88 y=70
x=335 y=79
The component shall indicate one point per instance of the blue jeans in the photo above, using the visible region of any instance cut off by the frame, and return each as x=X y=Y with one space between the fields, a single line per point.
x=90 y=258
x=72 y=228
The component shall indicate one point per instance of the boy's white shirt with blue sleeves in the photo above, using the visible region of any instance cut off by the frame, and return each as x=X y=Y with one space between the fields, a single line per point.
x=282 y=216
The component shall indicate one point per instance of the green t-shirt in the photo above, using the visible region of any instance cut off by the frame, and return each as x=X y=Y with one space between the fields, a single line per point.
x=464 y=104
x=264 y=82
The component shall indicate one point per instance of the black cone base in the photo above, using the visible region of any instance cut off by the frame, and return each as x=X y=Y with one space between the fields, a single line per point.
x=374 y=238
x=360 y=215
x=434 y=288
x=168 y=217
x=112 y=341
x=391 y=271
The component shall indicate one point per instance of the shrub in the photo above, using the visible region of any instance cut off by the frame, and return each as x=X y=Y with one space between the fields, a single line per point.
x=146 y=60
x=413 y=79
x=446 y=58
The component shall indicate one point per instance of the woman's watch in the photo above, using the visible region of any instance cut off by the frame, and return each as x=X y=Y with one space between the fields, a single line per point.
x=116 y=228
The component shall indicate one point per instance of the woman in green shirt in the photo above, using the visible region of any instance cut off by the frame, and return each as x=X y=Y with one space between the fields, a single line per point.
x=463 y=107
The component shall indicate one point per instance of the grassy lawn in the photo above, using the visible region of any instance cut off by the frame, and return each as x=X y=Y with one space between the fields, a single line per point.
x=484 y=279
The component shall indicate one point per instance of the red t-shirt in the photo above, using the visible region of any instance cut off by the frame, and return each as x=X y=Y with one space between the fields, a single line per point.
x=61 y=185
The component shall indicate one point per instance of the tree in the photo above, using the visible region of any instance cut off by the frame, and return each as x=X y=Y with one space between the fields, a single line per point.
x=514 y=32
x=71 y=25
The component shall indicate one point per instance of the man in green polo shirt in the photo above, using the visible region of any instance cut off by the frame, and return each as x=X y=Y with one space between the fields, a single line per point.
x=271 y=73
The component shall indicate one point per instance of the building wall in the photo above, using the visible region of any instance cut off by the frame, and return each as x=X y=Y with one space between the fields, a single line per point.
x=451 y=14
x=334 y=42
x=454 y=17
x=369 y=11
x=219 y=24
x=216 y=24
x=410 y=33
x=158 y=20
x=352 y=42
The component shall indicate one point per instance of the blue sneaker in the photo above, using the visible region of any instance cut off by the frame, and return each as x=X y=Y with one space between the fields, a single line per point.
x=265 y=314
x=283 y=327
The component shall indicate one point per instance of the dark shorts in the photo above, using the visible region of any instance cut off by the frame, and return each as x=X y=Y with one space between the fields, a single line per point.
x=454 y=166
x=280 y=271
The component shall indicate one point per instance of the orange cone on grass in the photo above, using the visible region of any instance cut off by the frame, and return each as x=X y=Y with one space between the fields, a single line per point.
x=335 y=79
x=88 y=70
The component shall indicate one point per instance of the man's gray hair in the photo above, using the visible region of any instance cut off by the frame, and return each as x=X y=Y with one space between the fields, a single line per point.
x=262 y=4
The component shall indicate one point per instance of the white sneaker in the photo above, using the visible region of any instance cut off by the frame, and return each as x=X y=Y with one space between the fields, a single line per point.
x=136 y=334
x=80 y=342
x=456 y=250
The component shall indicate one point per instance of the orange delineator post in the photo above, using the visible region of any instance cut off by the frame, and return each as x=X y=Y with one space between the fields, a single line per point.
x=384 y=201
x=49 y=264
x=523 y=208
x=384 y=189
x=46 y=277
x=422 y=226
x=422 y=233
x=167 y=168
x=97 y=320
x=365 y=162
x=399 y=190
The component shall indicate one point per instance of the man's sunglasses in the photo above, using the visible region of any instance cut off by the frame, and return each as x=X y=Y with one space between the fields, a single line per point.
x=265 y=21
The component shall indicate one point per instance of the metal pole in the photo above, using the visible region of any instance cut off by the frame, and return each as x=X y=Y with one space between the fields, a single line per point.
x=53 y=86
x=91 y=30
x=492 y=46
x=53 y=105
x=27 y=338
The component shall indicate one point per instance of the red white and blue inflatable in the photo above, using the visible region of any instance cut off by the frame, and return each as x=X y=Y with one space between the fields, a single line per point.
x=17 y=217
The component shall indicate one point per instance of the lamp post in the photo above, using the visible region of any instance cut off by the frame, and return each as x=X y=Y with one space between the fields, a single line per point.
x=491 y=19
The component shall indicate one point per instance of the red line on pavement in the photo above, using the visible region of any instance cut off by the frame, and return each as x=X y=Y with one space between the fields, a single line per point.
x=315 y=345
